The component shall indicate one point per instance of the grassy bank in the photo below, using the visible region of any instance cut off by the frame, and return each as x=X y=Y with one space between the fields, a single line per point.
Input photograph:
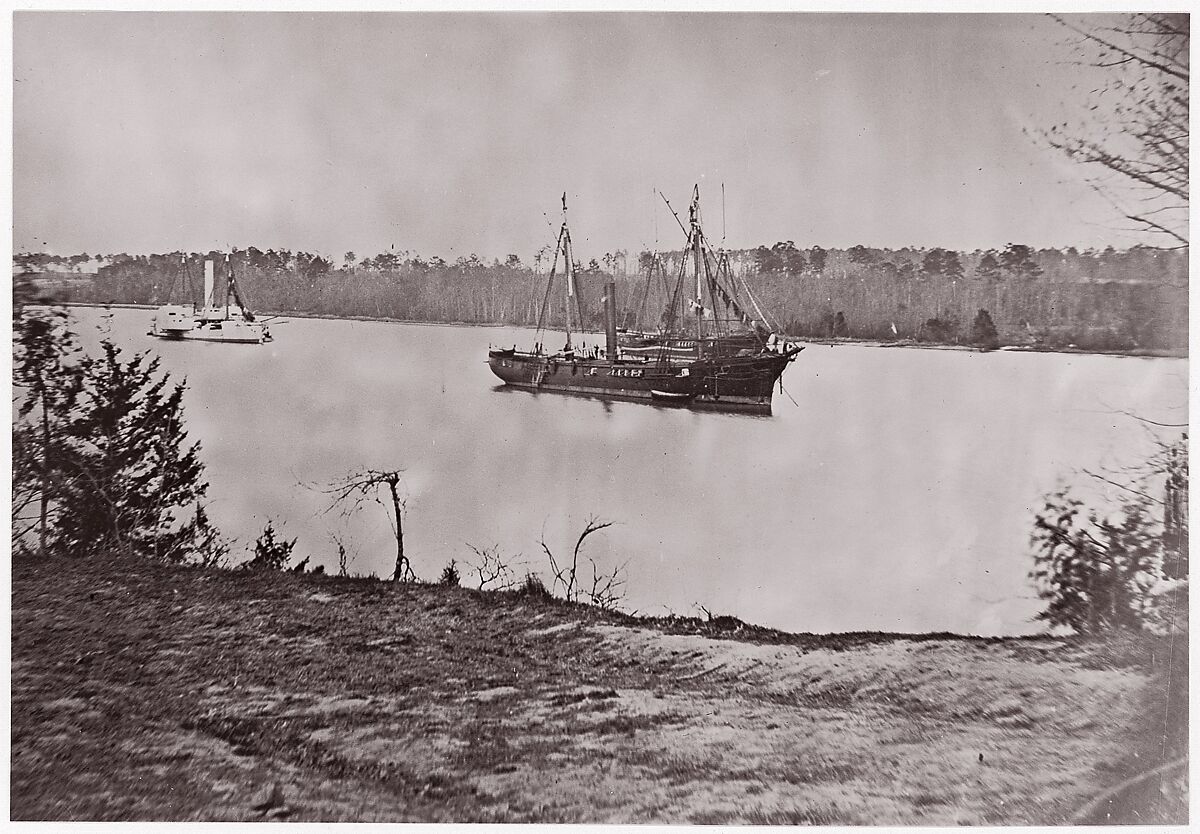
x=148 y=692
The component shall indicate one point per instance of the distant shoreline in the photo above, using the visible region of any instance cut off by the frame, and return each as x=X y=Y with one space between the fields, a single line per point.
x=1141 y=353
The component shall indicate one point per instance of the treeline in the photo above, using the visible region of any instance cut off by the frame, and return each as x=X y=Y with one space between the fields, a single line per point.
x=1093 y=300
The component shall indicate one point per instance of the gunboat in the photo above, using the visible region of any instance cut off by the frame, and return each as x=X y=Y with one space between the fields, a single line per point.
x=728 y=377
x=209 y=321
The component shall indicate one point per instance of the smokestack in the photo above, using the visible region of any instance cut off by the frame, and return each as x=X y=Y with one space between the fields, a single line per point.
x=208 y=283
x=610 y=319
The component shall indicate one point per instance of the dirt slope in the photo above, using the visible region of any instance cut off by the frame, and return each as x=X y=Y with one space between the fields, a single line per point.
x=146 y=692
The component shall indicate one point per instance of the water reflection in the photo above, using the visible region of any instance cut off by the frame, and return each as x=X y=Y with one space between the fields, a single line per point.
x=606 y=402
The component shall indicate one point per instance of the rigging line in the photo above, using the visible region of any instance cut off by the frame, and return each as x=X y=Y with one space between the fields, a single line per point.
x=654 y=215
x=641 y=312
x=730 y=284
x=549 y=286
x=665 y=281
x=674 y=308
x=711 y=284
x=773 y=325
x=789 y=396
x=578 y=294
x=722 y=217
x=549 y=222
x=673 y=214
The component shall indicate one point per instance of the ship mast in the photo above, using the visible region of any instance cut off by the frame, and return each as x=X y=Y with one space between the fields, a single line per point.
x=562 y=246
x=565 y=237
x=699 y=251
x=231 y=289
x=699 y=302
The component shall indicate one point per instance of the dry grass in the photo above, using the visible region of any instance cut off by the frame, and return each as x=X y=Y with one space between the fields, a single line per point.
x=143 y=692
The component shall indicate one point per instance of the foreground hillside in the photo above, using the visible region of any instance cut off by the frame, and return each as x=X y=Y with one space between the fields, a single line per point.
x=149 y=692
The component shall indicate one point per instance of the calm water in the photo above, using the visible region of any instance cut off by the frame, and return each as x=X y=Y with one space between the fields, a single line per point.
x=896 y=495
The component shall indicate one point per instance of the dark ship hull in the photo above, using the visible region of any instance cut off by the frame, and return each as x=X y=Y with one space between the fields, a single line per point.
x=725 y=370
x=735 y=382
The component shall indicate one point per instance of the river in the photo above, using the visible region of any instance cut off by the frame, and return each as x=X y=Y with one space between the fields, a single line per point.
x=896 y=493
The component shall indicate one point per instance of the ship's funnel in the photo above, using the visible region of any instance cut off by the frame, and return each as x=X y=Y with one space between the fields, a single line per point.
x=208 y=283
x=610 y=319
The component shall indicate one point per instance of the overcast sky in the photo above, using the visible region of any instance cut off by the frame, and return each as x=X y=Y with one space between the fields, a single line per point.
x=456 y=133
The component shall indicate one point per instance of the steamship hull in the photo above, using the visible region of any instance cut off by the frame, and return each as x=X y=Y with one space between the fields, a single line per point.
x=735 y=383
x=200 y=335
x=233 y=331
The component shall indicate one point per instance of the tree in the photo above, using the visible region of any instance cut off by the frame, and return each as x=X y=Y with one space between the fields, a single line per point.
x=349 y=493
x=816 y=259
x=109 y=444
x=385 y=262
x=280 y=260
x=860 y=254
x=128 y=471
x=450 y=576
x=951 y=266
x=790 y=259
x=988 y=268
x=311 y=266
x=1135 y=131
x=931 y=264
x=1121 y=568
x=942 y=262
x=605 y=588
x=840 y=329
x=1095 y=573
x=782 y=257
x=48 y=380
x=468 y=263
x=939 y=330
x=1175 y=510
x=493 y=568
x=270 y=552
x=765 y=260
x=1017 y=260
x=983 y=331
x=834 y=325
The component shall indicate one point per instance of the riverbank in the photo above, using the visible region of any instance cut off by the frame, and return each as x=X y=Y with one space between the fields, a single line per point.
x=142 y=691
x=829 y=342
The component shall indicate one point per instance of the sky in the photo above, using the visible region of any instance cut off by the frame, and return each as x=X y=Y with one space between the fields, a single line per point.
x=448 y=134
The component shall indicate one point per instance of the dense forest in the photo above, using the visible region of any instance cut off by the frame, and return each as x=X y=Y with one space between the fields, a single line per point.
x=1135 y=299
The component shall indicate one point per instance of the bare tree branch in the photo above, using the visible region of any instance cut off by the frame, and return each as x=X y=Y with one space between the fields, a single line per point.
x=352 y=490
x=606 y=587
x=1154 y=61
x=1137 y=125
x=492 y=567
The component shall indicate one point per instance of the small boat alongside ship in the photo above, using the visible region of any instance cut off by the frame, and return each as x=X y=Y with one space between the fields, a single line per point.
x=209 y=321
x=708 y=369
